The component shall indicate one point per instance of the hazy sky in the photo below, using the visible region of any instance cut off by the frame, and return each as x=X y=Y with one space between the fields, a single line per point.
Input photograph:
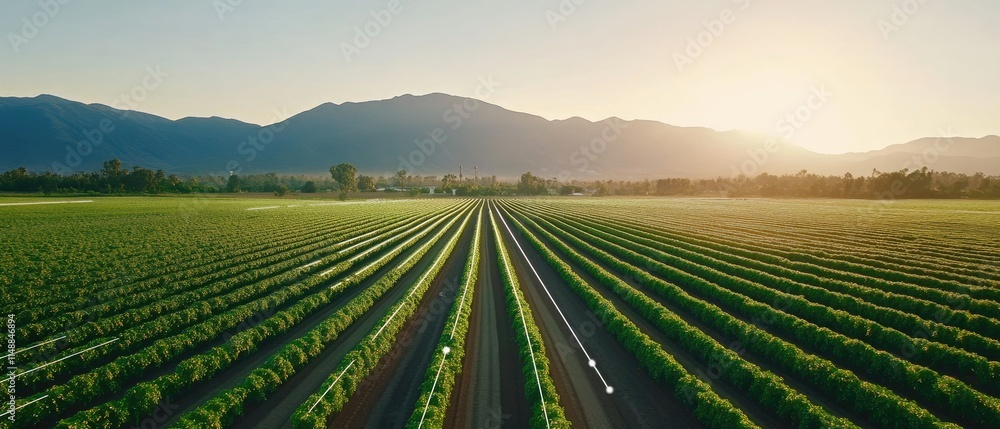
x=931 y=67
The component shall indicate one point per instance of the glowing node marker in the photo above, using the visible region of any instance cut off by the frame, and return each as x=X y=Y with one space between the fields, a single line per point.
x=610 y=390
x=447 y=350
x=592 y=363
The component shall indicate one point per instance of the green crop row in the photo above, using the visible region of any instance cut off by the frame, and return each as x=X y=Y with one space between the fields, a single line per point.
x=842 y=259
x=359 y=362
x=432 y=406
x=109 y=303
x=540 y=391
x=166 y=281
x=708 y=407
x=960 y=401
x=251 y=286
x=954 y=309
x=877 y=403
x=85 y=389
x=822 y=310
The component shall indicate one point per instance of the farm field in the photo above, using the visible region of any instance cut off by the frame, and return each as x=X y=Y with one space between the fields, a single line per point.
x=487 y=313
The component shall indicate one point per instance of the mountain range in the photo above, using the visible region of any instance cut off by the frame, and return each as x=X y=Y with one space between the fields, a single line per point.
x=434 y=134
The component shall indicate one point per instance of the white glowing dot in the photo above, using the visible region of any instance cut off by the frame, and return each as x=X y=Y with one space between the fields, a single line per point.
x=610 y=390
x=592 y=363
x=447 y=350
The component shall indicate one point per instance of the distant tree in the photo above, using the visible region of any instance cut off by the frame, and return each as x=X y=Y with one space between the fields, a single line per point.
x=531 y=185
x=449 y=181
x=140 y=180
x=233 y=185
x=309 y=187
x=112 y=168
x=366 y=183
x=602 y=190
x=346 y=175
x=281 y=191
x=401 y=178
x=342 y=196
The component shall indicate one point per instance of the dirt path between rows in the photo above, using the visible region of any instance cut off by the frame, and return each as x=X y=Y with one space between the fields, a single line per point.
x=637 y=402
x=386 y=398
x=489 y=393
x=277 y=411
x=694 y=365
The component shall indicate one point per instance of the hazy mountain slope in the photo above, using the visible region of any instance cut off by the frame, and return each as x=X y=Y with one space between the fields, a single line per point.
x=429 y=135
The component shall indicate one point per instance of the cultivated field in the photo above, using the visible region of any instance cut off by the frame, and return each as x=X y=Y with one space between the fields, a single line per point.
x=476 y=313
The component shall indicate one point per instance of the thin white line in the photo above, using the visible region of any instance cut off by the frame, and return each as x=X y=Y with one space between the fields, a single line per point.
x=379 y=260
x=404 y=224
x=525 y=323
x=264 y=208
x=60 y=360
x=310 y=264
x=422 y=278
x=433 y=386
x=590 y=361
x=458 y=316
x=34 y=346
x=25 y=405
x=366 y=252
x=331 y=387
x=376 y=262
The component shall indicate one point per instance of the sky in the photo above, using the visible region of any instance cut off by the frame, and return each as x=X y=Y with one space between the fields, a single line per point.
x=830 y=76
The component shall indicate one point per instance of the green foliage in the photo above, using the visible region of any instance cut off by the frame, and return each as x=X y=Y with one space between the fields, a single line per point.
x=137 y=354
x=366 y=183
x=346 y=175
x=359 y=363
x=866 y=398
x=897 y=326
x=768 y=389
x=531 y=185
x=436 y=402
x=534 y=363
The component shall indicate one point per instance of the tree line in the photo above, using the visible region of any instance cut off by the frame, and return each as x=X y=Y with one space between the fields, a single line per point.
x=112 y=178
x=902 y=184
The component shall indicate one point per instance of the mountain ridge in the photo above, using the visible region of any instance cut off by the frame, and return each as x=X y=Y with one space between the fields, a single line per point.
x=431 y=134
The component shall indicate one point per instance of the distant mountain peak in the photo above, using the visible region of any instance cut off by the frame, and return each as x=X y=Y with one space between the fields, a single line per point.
x=428 y=135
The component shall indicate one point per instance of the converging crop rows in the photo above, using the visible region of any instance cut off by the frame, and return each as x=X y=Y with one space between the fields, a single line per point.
x=542 y=313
